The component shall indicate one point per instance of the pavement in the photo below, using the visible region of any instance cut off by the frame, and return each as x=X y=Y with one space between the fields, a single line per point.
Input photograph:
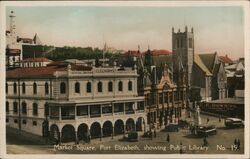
x=180 y=142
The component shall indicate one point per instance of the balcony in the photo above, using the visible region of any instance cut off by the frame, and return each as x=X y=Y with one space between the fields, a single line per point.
x=129 y=112
x=69 y=117
x=95 y=115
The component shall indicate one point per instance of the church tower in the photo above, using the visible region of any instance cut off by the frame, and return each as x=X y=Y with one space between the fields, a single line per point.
x=183 y=49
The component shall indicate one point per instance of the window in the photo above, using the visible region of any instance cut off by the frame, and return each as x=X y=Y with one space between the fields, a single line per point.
x=99 y=87
x=7 y=120
x=15 y=121
x=34 y=123
x=62 y=88
x=7 y=107
x=77 y=87
x=15 y=107
x=130 y=86
x=181 y=43
x=24 y=122
x=88 y=87
x=15 y=88
x=190 y=43
x=110 y=86
x=35 y=111
x=120 y=86
x=23 y=88
x=34 y=88
x=46 y=109
x=46 y=87
x=6 y=88
x=24 y=108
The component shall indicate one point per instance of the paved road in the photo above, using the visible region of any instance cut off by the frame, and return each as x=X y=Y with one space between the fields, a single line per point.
x=190 y=145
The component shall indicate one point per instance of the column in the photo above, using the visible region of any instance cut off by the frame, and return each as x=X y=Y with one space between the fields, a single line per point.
x=101 y=135
x=89 y=111
x=124 y=110
x=135 y=125
x=59 y=138
x=124 y=129
x=59 y=107
x=113 y=131
x=76 y=138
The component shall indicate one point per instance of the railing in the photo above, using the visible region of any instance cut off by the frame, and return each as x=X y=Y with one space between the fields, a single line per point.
x=82 y=116
x=107 y=114
x=95 y=115
x=118 y=113
x=130 y=112
x=139 y=111
x=54 y=117
x=70 y=117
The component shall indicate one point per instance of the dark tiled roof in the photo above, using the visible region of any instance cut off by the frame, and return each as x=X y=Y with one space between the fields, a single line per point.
x=208 y=60
x=201 y=65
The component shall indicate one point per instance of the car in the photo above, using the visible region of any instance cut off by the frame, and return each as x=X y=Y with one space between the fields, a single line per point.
x=172 y=127
x=131 y=136
x=204 y=131
x=233 y=122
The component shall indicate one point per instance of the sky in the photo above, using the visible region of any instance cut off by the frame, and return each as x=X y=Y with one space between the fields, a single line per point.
x=216 y=28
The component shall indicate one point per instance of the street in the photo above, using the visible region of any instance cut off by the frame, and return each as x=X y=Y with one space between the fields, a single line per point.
x=180 y=142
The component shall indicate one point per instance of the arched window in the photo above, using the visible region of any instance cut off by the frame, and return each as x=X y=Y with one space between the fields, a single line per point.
x=35 y=109
x=120 y=86
x=15 y=88
x=6 y=88
x=77 y=87
x=89 y=87
x=46 y=87
x=15 y=107
x=62 y=88
x=24 y=108
x=7 y=107
x=23 y=88
x=34 y=88
x=130 y=86
x=110 y=86
x=46 y=109
x=99 y=87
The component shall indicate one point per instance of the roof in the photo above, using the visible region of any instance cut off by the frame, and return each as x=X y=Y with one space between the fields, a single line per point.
x=49 y=70
x=208 y=60
x=39 y=59
x=163 y=59
x=201 y=65
x=228 y=101
x=226 y=59
x=160 y=52
x=133 y=53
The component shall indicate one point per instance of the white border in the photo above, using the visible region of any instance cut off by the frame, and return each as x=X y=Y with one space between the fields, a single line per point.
x=243 y=4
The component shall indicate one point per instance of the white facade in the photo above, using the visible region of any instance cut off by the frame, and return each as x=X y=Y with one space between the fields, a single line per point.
x=76 y=105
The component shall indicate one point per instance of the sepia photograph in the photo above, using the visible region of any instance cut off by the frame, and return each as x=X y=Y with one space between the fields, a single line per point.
x=125 y=78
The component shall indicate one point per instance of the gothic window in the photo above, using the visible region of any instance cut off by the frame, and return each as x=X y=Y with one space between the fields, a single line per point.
x=23 y=88
x=15 y=88
x=34 y=88
x=35 y=109
x=6 y=88
x=181 y=41
x=46 y=109
x=24 y=108
x=7 y=107
x=99 y=87
x=62 y=88
x=77 y=87
x=120 y=86
x=130 y=85
x=177 y=42
x=110 y=86
x=15 y=107
x=46 y=87
x=88 y=87
x=190 y=43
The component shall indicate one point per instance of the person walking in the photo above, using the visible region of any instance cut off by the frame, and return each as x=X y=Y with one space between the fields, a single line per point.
x=207 y=120
x=168 y=138
x=220 y=118
x=154 y=133
x=205 y=141
x=235 y=143
x=238 y=144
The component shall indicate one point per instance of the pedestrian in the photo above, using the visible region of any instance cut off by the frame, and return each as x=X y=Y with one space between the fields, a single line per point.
x=235 y=143
x=168 y=138
x=207 y=120
x=238 y=144
x=205 y=141
x=151 y=135
x=220 y=118
x=181 y=151
x=154 y=133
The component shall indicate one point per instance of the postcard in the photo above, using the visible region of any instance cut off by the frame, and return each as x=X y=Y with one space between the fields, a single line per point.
x=123 y=79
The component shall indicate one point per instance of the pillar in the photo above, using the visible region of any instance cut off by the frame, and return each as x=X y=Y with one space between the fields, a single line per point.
x=60 y=113
x=113 y=131
x=124 y=128
x=59 y=138
x=135 y=126
x=76 y=138
x=101 y=135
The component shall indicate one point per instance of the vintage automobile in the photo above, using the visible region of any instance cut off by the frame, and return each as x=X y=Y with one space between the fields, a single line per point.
x=172 y=127
x=233 y=122
x=204 y=131
x=131 y=136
